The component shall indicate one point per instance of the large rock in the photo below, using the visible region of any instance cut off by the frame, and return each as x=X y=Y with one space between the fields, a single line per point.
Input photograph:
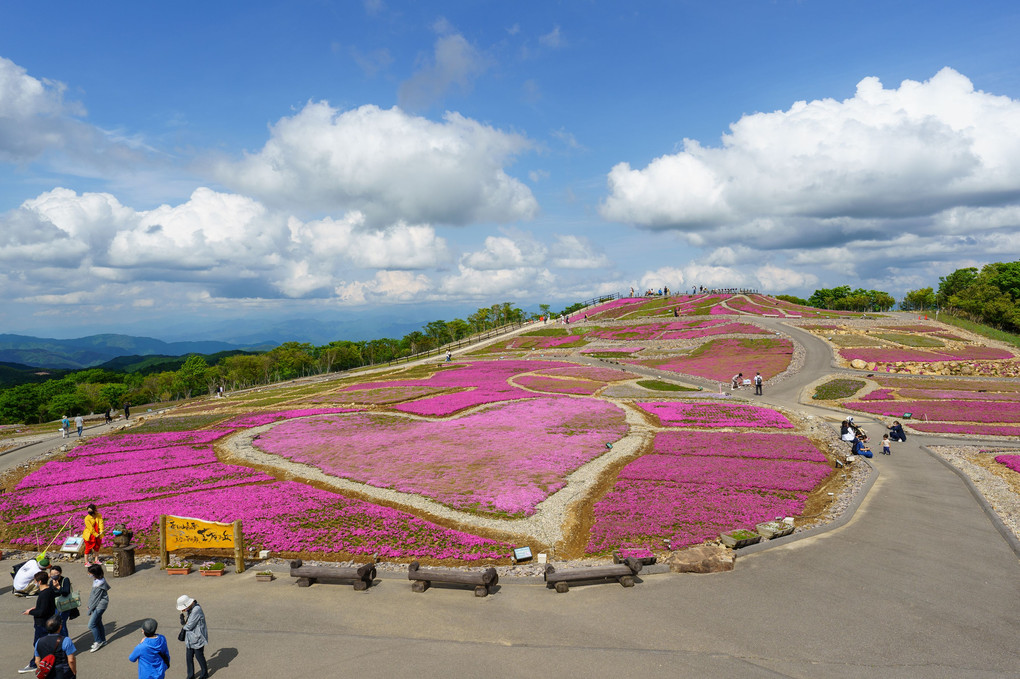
x=701 y=559
x=858 y=364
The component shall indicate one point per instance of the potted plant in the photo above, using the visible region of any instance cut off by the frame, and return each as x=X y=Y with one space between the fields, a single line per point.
x=739 y=538
x=264 y=576
x=212 y=568
x=178 y=566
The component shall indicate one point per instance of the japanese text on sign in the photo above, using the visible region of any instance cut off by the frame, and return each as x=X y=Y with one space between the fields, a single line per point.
x=185 y=533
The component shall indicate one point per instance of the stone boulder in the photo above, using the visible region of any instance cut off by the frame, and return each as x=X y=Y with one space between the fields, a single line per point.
x=701 y=559
x=858 y=364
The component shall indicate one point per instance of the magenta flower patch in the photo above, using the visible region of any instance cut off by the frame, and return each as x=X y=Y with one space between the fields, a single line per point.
x=698 y=414
x=737 y=444
x=720 y=359
x=976 y=429
x=878 y=395
x=945 y=411
x=587 y=372
x=1011 y=461
x=882 y=355
x=956 y=395
x=557 y=385
x=732 y=472
x=504 y=460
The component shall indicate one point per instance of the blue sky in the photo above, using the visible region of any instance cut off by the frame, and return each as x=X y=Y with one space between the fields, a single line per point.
x=188 y=168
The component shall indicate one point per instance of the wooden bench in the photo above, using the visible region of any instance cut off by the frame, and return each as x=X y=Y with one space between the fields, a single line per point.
x=484 y=582
x=362 y=576
x=623 y=573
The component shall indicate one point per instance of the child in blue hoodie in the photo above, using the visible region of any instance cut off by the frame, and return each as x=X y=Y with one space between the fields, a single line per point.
x=151 y=654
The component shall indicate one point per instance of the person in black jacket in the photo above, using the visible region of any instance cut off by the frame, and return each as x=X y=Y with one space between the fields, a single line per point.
x=62 y=587
x=45 y=608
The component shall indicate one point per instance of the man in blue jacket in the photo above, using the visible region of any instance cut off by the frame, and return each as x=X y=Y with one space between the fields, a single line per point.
x=151 y=653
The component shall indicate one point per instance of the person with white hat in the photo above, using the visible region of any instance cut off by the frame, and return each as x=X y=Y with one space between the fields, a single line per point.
x=196 y=635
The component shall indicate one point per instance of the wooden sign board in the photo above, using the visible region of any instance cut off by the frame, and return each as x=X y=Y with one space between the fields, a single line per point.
x=194 y=535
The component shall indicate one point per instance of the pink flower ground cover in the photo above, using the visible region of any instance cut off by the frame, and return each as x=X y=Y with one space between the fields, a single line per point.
x=873 y=355
x=737 y=444
x=1011 y=461
x=546 y=342
x=696 y=485
x=268 y=418
x=720 y=359
x=945 y=411
x=558 y=385
x=281 y=516
x=975 y=429
x=878 y=395
x=375 y=396
x=119 y=443
x=589 y=372
x=503 y=460
x=483 y=381
x=612 y=350
x=695 y=414
x=607 y=307
x=678 y=330
x=959 y=394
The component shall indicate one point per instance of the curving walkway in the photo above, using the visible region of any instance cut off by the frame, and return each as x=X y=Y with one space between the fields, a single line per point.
x=918 y=584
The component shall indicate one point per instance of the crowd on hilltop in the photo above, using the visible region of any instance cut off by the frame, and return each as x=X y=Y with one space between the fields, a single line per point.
x=698 y=290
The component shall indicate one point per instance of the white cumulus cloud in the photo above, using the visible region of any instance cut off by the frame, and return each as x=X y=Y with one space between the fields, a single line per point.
x=387 y=164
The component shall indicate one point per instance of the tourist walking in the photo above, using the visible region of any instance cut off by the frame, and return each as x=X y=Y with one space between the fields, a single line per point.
x=62 y=587
x=79 y=424
x=757 y=384
x=60 y=646
x=99 y=600
x=93 y=534
x=196 y=635
x=151 y=653
x=65 y=427
x=127 y=411
x=43 y=611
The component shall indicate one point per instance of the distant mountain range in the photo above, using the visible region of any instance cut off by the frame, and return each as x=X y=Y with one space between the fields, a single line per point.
x=95 y=350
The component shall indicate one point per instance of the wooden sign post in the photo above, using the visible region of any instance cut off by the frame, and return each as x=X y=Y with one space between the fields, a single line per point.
x=181 y=532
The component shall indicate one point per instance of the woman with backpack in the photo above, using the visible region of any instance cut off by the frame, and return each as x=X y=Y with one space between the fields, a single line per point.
x=99 y=600
x=59 y=649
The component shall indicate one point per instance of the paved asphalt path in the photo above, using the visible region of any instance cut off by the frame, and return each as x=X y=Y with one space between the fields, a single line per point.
x=918 y=584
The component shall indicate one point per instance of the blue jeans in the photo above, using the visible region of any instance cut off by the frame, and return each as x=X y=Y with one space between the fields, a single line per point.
x=96 y=625
x=63 y=622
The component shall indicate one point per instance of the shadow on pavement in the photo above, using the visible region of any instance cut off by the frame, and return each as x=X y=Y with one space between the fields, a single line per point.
x=221 y=659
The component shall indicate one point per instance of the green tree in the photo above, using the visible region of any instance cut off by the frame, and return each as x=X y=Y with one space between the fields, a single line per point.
x=922 y=299
x=953 y=284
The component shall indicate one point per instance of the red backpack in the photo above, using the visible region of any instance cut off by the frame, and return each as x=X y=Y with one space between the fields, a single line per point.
x=46 y=663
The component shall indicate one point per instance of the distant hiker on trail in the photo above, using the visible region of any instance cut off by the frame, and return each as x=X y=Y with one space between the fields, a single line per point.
x=449 y=356
x=127 y=411
x=65 y=427
x=757 y=384
x=79 y=424
x=109 y=418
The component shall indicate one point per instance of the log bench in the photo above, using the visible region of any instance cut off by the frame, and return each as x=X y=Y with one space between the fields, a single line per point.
x=484 y=582
x=362 y=576
x=623 y=573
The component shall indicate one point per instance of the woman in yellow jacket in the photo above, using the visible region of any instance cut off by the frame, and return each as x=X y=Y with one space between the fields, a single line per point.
x=93 y=534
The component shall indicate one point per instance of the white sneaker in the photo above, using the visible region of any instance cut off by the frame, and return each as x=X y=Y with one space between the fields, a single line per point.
x=26 y=669
x=96 y=646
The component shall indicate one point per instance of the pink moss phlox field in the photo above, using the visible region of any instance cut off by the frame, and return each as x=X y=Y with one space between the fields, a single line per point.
x=85 y=467
x=544 y=342
x=878 y=395
x=945 y=411
x=587 y=372
x=1011 y=461
x=688 y=414
x=747 y=307
x=505 y=459
x=638 y=514
x=696 y=485
x=719 y=310
x=68 y=494
x=558 y=385
x=119 y=443
x=975 y=429
x=732 y=472
x=882 y=355
x=487 y=381
x=601 y=308
x=958 y=395
x=678 y=330
x=720 y=359
x=260 y=419
x=291 y=517
x=737 y=444
x=381 y=395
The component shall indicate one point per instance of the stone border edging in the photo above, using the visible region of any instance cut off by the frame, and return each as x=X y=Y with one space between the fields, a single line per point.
x=992 y=515
x=839 y=522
